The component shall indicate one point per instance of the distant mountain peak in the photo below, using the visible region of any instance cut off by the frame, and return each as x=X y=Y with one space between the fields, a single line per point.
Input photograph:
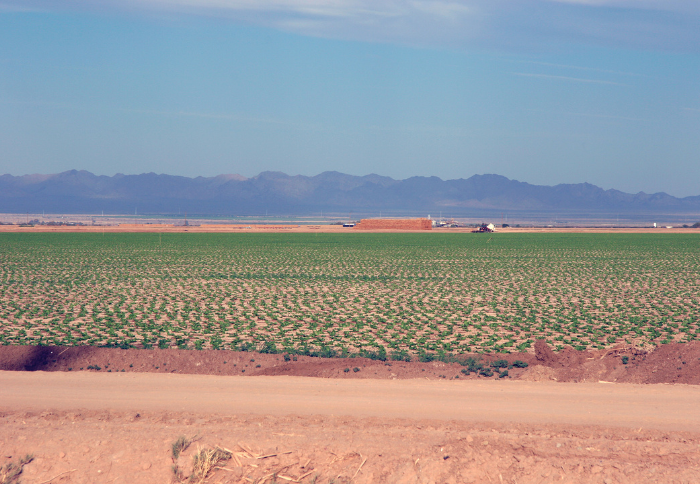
x=79 y=191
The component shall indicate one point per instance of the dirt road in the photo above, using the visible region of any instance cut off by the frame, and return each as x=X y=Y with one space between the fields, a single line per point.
x=90 y=427
x=663 y=407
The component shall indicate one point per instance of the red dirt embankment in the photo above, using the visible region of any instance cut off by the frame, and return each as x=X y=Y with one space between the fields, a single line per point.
x=672 y=363
x=394 y=224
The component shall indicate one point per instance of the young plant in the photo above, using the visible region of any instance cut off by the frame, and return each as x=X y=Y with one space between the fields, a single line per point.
x=181 y=444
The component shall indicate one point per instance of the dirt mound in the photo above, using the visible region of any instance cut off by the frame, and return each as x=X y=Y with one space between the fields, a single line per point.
x=544 y=354
x=566 y=358
x=671 y=363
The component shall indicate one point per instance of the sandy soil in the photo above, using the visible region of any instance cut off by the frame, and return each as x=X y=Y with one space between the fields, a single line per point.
x=87 y=427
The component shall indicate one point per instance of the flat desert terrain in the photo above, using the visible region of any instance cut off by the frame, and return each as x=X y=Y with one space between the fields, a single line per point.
x=86 y=427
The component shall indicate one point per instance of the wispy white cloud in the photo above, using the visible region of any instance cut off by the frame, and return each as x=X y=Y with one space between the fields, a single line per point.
x=448 y=10
x=570 y=79
x=314 y=8
x=360 y=10
x=354 y=7
x=656 y=24
x=667 y=5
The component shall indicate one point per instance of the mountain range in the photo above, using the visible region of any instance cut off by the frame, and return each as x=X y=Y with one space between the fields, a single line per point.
x=276 y=193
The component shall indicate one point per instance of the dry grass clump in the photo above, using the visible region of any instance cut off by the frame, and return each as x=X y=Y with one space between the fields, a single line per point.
x=205 y=460
x=9 y=474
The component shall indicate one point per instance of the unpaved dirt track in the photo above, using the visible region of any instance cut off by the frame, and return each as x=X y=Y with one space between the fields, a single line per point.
x=664 y=407
x=96 y=427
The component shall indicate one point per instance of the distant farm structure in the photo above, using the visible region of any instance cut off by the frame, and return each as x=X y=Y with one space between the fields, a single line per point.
x=485 y=229
x=394 y=224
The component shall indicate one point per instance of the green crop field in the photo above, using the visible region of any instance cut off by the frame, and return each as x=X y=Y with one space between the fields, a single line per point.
x=384 y=294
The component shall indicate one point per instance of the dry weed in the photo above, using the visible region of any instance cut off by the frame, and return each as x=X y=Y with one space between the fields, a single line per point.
x=9 y=474
x=205 y=460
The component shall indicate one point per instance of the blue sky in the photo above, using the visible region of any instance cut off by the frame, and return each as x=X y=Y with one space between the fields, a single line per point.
x=543 y=91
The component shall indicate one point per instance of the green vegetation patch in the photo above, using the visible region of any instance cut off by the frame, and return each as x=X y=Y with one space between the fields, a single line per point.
x=385 y=296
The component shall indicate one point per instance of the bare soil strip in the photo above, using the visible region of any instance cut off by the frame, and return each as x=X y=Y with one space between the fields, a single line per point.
x=650 y=406
x=95 y=427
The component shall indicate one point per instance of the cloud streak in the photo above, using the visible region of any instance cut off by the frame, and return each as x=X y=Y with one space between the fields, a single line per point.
x=512 y=24
x=683 y=6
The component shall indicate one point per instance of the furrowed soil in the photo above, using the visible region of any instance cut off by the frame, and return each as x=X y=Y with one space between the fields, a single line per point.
x=108 y=425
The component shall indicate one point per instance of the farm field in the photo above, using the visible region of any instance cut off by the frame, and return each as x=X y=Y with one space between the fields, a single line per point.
x=383 y=295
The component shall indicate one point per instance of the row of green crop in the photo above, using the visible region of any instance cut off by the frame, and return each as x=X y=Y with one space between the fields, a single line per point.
x=411 y=293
